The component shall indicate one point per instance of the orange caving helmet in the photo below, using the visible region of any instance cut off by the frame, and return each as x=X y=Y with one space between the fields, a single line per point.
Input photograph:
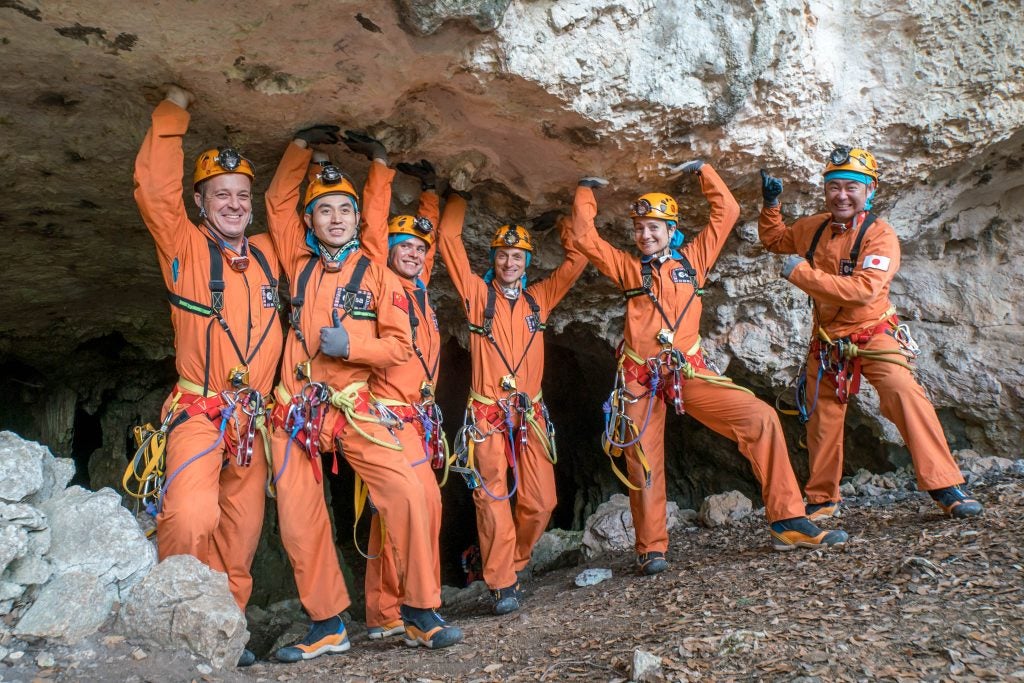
x=415 y=226
x=220 y=160
x=852 y=160
x=655 y=205
x=512 y=236
x=329 y=180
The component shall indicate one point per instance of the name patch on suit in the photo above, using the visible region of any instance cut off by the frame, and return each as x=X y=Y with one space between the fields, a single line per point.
x=681 y=276
x=876 y=262
x=533 y=322
x=846 y=267
x=358 y=301
x=269 y=296
x=433 y=316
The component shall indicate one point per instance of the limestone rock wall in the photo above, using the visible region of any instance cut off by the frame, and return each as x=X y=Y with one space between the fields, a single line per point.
x=523 y=97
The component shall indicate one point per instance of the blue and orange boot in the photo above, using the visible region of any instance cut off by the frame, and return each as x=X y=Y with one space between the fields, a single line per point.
x=392 y=628
x=651 y=563
x=816 y=511
x=801 y=532
x=426 y=628
x=325 y=637
x=956 y=502
x=507 y=600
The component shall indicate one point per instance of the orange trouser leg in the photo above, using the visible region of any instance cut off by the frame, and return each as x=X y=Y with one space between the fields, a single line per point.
x=755 y=428
x=648 y=504
x=242 y=500
x=535 y=499
x=383 y=589
x=306 y=531
x=904 y=402
x=494 y=522
x=399 y=498
x=203 y=496
x=824 y=436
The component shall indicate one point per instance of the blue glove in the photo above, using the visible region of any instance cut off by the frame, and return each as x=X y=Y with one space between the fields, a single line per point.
x=790 y=263
x=689 y=167
x=334 y=340
x=592 y=182
x=771 y=188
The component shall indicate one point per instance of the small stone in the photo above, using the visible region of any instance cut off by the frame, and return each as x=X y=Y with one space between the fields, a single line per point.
x=45 y=660
x=724 y=508
x=592 y=576
x=861 y=477
x=870 y=490
x=204 y=669
x=16 y=655
x=139 y=654
x=848 y=490
x=646 y=667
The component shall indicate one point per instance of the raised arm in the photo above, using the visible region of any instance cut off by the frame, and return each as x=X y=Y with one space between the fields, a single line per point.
x=705 y=248
x=554 y=287
x=429 y=205
x=453 y=251
x=282 y=200
x=373 y=233
x=613 y=262
x=771 y=229
x=158 y=172
x=877 y=268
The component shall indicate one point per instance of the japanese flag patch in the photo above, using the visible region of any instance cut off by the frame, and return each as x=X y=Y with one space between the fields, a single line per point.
x=876 y=262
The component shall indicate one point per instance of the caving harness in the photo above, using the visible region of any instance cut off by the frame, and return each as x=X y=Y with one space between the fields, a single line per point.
x=302 y=416
x=145 y=479
x=841 y=359
x=662 y=376
x=515 y=415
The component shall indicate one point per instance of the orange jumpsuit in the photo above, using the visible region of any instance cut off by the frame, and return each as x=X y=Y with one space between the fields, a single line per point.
x=399 y=387
x=852 y=304
x=737 y=415
x=380 y=341
x=213 y=508
x=506 y=541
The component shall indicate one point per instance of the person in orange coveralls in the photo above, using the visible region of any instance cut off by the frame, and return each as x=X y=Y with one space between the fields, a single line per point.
x=845 y=260
x=507 y=426
x=662 y=362
x=349 y=318
x=227 y=340
x=404 y=244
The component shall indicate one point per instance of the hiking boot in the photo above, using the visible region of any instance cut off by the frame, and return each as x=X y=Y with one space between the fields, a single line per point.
x=956 y=502
x=426 y=628
x=392 y=628
x=248 y=658
x=506 y=599
x=523 y=575
x=327 y=636
x=651 y=563
x=801 y=532
x=816 y=511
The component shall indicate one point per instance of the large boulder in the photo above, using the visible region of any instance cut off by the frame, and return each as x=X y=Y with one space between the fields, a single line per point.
x=24 y=539
x=93 y=533
x=556 y=548
x=610 y=528
x=29 y=472
x=724 y=508
x=182 y=603
x=70 y=607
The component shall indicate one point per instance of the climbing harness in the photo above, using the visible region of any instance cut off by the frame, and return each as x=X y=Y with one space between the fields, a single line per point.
x=666 y=335
x=515 y=416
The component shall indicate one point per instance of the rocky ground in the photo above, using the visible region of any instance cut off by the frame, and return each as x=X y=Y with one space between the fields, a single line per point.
x=913 y=596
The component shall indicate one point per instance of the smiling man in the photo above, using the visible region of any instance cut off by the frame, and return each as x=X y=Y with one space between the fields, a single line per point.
x=845 y=260
x=662 y=363
x=507 y=432
x=227 y=340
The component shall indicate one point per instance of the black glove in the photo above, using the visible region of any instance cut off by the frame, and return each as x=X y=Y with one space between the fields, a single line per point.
x=592 y=182
x=771 y=188
x=546 y=221
x=422 y=169
x=334 y=340
x=449 y=191
x=320 y=134
x=361 y=143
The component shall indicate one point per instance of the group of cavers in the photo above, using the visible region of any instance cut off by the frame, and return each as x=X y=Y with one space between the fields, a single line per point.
x=358 y=366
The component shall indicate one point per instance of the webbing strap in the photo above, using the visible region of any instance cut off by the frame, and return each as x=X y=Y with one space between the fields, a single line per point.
x=486 y=330
x=646 y=288
x=420 y=297
x=854 y=253
x=348 y=300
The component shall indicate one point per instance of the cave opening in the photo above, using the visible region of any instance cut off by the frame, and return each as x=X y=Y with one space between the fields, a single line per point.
x=86 y=439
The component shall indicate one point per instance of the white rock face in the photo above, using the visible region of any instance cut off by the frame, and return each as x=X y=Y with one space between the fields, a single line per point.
x=610 y=528
x=69 y=608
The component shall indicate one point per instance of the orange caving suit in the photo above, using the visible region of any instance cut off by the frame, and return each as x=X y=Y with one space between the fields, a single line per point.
x=399 y=387
x=213 y=508
x=506 y=543
x=748 y=421
x=375 y=343
x=852 y=304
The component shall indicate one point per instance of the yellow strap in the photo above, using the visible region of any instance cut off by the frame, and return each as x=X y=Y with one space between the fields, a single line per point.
x=151 y=445
x=193 y=388
x=361 y=494
x=531 y=419
x=628 y=352
x=344 y=400
x=390 y=402
x=616 y=452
